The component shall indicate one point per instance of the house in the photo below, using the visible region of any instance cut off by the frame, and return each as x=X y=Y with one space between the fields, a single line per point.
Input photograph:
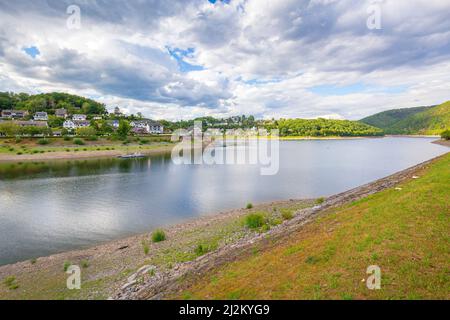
x=97 y=117
x=147 y=126
x=81 y=123
x=79 y=117
x=73 y=124
x=14 y=113
x=61 y=113
x=41 y=116
x=117 y=112
x=69 y=124
x=113 y=123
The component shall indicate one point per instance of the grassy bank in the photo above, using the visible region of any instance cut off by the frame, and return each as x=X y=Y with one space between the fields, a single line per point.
x=12 y=149
x=403 y=230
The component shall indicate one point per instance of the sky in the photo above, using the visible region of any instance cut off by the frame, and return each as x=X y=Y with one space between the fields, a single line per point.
x=182 y=59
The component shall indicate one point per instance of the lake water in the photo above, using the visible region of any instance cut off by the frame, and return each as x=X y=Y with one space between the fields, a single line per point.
x=51 y=207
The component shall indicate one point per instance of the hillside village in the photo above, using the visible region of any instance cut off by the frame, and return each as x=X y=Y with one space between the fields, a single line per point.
x=66 y=123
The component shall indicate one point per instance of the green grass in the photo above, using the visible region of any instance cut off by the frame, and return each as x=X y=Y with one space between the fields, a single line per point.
x=66 y=265
x=404 y=232
x=11 y=283
x=254 y=220
x=287 y=214
x=158 y=235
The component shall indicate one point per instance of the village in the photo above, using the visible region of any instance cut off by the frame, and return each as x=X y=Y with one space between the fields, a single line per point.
x=64 y=123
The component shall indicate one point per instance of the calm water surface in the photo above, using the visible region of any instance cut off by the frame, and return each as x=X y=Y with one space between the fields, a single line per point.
x=51 y=207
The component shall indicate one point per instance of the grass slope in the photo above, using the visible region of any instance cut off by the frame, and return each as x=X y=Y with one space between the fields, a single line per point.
x=420 y=120
x=405 y=232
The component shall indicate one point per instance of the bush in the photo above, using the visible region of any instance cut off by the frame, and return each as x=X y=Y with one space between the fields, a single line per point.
x=10 y=282
x=92 y=138
x=445 y=135
x=66 y=138
x=158 y=235
x=84 y=264
x=43 y=141
x=67 y=264
x=249 y=205
x=287 y=214
x=78 y=141
x=320 y=200
x=254 y=220
x=146 y=247
x=201 y=250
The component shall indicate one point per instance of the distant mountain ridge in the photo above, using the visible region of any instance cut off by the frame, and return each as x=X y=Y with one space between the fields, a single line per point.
x=419 y=120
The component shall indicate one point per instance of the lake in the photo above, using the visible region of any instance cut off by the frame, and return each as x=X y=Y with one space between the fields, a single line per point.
x=49 y=207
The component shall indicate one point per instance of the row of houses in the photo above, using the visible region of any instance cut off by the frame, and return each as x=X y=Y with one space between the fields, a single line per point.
x=138 y=126
x=43 y=116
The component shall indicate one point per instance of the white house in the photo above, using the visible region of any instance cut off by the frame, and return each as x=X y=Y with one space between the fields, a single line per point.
x=79 y=117
x=69 y=124
x=41 y=116
x=147 y=126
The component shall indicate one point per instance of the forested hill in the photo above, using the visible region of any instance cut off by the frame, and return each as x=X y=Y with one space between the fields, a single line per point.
x=49 y=102
x=323 y=128
x=419 y=120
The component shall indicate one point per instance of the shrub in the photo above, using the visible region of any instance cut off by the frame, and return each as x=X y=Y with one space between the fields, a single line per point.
x=84 y=264
x=33 y=261
x=287 y=214
x=67 y=264
x=146 y=247
x=254 y=220
x=92 y=138
x=201 y=250
x=43 y=141
x=320 y=200
x=445 y=135
x=78 y=141
x=11 y=283
x=158 y=235
x=19 y=153
x=249 y=205
x=18 y=140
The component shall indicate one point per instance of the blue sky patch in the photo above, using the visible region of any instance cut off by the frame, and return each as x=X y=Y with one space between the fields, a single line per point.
x=179 y=55
x=32 y=51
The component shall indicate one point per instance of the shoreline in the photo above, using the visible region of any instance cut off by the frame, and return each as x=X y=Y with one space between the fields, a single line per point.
x=62 y=155
x=115 y=262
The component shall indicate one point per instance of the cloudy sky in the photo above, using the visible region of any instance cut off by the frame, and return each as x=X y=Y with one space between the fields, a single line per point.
x=270 y=58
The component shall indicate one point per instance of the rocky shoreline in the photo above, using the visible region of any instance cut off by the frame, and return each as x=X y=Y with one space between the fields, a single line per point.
x=159 y=285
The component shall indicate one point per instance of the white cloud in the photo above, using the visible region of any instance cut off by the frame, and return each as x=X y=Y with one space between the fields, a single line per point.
x=259 y=58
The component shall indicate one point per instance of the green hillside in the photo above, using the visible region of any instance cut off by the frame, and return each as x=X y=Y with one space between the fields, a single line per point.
x=49 y=102
x=323 y=128
x=419 y=120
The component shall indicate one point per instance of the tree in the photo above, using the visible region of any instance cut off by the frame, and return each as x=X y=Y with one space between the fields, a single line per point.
x=86 y=131
x=124 y=129
x=445 y=135
x=9 y=129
